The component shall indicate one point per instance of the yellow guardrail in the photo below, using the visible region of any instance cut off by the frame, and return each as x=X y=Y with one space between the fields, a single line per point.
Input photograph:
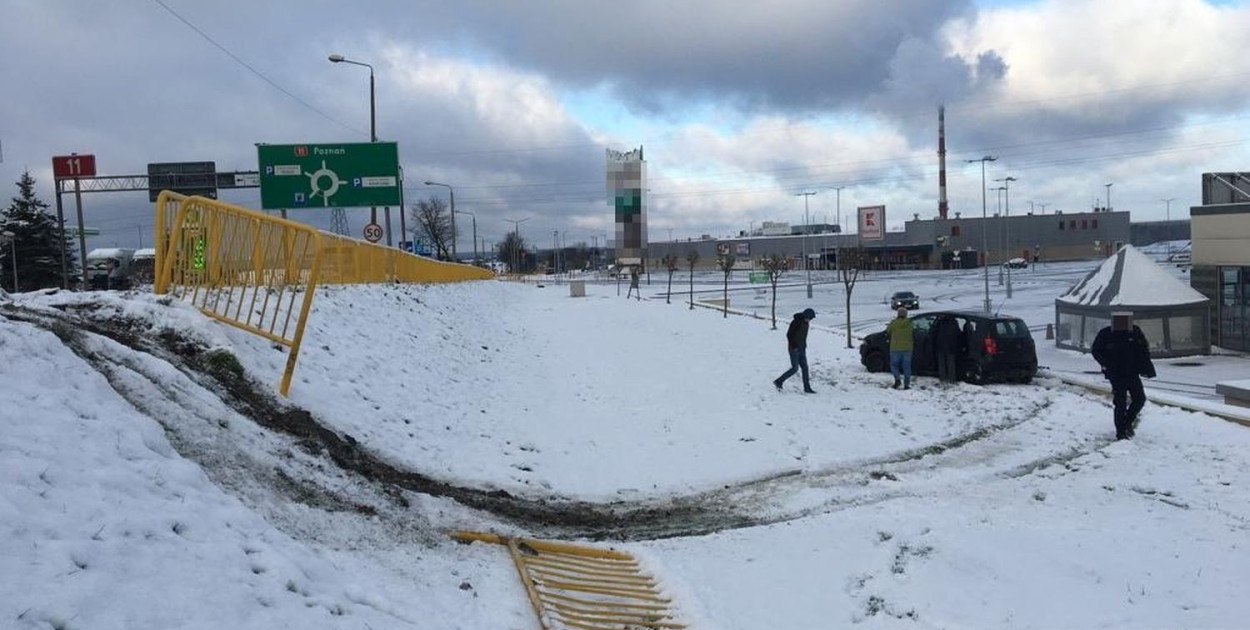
x=258 y=272
x=574 y=586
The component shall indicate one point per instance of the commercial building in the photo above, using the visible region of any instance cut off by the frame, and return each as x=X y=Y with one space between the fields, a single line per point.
x=1220 y=256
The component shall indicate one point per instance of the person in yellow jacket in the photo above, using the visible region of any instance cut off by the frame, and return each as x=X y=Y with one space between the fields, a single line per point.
x=899 y=332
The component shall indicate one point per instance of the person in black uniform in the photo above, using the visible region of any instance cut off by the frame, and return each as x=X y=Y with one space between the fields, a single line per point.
x=1124 y=354
x=947 y=346
x=796 y=343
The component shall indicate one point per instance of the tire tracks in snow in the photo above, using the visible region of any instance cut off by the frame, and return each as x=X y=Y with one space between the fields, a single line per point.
x=201 y=411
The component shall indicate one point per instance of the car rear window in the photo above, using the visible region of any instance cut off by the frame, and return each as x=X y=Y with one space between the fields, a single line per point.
x=1010 y=328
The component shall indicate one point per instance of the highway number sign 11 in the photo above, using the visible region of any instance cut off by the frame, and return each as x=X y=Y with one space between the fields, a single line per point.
x=73 y=166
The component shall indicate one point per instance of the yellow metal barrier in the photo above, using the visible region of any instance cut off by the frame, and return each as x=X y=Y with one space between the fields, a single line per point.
x=572 y=586
x=245 y=268
x=166 y=211
x=259 y=272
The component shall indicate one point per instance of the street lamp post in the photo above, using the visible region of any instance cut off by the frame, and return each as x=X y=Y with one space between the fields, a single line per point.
x=516 y=241
x=1106 y=231
x=12 y=240
x=451 y=192
x=1007 y=226
x=474 y=217
x=998 y=258
x=1168 y=230
x=807 y=264
x=837 y=239
x=984 y=246
x=373 y=132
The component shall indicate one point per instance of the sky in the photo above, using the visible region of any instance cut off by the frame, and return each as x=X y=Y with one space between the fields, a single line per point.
x=133 y=496
x=738 y=106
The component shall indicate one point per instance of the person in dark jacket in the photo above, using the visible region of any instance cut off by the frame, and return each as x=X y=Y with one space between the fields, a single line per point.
x=947 y=344
x=796 y=343
x=1124 y=354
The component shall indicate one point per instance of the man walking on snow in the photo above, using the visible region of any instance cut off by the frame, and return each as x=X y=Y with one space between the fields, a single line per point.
x=1124 y=354
x=796 y=342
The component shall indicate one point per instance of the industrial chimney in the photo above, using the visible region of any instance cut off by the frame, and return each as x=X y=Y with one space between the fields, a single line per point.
x=942 y=208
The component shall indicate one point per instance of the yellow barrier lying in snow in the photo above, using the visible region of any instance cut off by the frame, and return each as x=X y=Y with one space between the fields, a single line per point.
x=571 y=586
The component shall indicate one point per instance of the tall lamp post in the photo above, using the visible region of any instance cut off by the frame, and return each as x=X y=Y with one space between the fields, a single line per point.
x=807 y=263
x=1106 y=231
x=373 y=131
x=984 y=246
x=1007 y=226
x=474 y=216
x=516 y=241
x=1168 y=211
x=452 y=193
x=11 y=239
x=837 y=239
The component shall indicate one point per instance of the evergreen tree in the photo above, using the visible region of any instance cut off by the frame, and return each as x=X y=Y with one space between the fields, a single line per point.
x=36 y=236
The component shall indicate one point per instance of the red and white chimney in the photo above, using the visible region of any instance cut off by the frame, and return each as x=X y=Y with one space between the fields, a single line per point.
x=942 y=208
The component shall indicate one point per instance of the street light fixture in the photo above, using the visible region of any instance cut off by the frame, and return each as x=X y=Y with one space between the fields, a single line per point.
x=11 y=238
x=807 y=264
x=452 y=192
x=373 y=130
x=984 y=221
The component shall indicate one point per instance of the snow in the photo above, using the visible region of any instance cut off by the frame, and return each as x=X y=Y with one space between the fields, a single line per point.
x=1130 y=278
x=131 y=496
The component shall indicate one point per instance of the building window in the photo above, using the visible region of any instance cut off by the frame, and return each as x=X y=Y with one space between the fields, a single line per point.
x=1061 y=226
x=1085 y=224
x=1095 y=223
x=1072 y=224
x=954 y=230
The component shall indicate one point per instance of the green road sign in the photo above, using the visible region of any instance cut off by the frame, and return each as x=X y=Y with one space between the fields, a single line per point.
x=352 y=175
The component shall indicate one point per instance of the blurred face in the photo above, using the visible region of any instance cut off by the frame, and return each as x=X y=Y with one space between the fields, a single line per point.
x=1121 y=322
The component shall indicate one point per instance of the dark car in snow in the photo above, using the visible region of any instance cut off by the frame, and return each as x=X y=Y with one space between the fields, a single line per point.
x=905 y=299
x=992 y=348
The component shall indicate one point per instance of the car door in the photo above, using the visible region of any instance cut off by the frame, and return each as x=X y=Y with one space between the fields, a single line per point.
x=922 y=359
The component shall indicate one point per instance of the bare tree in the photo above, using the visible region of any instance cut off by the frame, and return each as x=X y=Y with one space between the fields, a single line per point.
x=433 y=221
x=691 y=259
x=725 y=262
x=848 y=268
x=670 y=263
x=775 y=265
x=512 y=250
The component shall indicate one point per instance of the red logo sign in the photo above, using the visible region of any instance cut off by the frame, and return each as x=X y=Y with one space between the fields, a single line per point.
x=301 y=151
x=73 y=166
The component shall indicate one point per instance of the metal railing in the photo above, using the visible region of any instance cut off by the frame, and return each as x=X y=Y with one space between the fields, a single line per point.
x=259 y=273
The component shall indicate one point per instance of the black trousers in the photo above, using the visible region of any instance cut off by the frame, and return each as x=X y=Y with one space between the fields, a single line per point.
x=1122 y=389
x=946 y=367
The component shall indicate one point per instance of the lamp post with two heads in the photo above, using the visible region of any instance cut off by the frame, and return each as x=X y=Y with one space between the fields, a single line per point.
x=984 y=223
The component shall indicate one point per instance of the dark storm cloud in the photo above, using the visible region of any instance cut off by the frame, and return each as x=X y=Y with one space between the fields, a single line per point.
x=793 y=55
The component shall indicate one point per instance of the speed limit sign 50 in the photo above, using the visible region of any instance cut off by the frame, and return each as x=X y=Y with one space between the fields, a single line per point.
x=373 y=232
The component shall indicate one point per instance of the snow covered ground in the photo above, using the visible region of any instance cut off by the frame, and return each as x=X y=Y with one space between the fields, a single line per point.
x=131 y=496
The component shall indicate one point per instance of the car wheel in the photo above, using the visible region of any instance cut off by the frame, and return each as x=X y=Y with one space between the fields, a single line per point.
x=974 y=373
x=875 y=362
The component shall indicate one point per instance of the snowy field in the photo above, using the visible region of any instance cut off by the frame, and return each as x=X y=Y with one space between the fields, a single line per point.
x=131 y=496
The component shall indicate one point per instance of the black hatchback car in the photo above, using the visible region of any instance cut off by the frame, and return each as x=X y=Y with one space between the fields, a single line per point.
x=993 y=348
